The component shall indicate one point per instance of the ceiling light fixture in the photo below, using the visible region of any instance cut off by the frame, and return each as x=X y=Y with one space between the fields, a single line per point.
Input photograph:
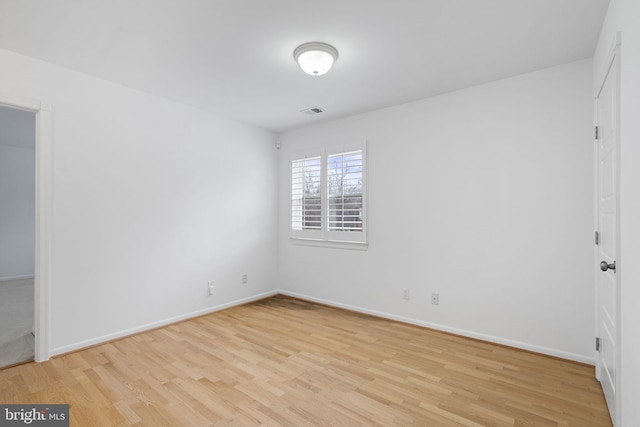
x=315 y=58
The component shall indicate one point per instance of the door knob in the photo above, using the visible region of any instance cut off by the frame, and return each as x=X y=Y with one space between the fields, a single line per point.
x=604 y=266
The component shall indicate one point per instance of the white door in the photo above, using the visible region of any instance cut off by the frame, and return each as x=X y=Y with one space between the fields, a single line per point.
x=607 y=292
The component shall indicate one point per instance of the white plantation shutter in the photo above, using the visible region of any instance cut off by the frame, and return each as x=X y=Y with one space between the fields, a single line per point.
x=344 y=186
x=306 y=197
x=328 y=196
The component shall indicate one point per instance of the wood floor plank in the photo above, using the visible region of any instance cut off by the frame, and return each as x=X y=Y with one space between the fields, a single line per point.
x=283 y=361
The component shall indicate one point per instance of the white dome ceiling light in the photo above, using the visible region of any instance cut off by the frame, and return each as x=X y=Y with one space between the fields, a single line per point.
x=315 y=58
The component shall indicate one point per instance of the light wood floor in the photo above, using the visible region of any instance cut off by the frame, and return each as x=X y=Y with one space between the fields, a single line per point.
x=283 y=361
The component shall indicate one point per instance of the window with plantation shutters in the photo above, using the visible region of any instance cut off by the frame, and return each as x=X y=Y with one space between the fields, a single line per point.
x=328 y=195
x=306 y=194
x=344 y=185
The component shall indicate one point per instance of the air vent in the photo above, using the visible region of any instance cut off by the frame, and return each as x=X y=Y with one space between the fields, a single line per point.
x=313 y=111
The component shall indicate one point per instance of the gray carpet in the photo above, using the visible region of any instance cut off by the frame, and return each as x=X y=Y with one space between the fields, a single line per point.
x=16 y=321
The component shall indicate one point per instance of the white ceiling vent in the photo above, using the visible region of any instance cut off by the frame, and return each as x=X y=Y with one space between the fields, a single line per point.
x=313 y=111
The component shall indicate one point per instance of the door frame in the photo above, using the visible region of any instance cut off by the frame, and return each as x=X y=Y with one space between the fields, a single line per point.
x=612 y=58
x=44 y=208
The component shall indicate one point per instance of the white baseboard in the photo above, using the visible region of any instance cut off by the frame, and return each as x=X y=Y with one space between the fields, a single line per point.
x=154 y=325
x=22 y=277
x=470 y=334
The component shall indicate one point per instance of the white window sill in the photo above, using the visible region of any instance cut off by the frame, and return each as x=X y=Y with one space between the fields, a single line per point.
x=356 y=246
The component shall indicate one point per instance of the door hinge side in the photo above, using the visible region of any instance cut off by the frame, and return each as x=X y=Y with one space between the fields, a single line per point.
x=597 y=344
x=597 y=238
x=596 y=133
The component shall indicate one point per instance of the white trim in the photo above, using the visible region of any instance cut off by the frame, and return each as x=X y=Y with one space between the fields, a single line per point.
x=462 y=332
x=44 y=230
x=22 y=103
x=44 y=209
x=22 y=277
x=596 y=267
x=489 y=338
x=153 y=325
x=334 y=244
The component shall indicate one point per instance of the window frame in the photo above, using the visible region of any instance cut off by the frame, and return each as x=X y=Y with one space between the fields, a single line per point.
x=325 y=237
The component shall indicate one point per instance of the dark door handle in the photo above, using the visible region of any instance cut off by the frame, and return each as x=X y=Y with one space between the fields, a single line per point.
x=604 y=266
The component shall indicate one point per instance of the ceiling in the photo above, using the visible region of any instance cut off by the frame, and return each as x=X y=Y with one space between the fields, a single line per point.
x=234 y=57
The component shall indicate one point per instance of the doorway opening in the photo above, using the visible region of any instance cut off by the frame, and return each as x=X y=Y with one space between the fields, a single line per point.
x=40 y=115
x=17 y=235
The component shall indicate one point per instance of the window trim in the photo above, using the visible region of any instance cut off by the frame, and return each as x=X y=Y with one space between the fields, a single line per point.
x=324 y=237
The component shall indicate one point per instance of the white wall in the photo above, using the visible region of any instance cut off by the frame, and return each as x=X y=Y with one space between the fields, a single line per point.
x=151 y=199
x=482 y=195
x=624 y=16
x=17 y=211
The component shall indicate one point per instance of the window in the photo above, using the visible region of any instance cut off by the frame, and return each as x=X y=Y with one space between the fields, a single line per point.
x=306 y=194
x=344 y=184
x=328 y=195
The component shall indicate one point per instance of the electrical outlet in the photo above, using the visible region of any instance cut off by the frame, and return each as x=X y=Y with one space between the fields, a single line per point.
x=406 y=294
x=211 y=287
x=245 y=278
x=435 y=299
